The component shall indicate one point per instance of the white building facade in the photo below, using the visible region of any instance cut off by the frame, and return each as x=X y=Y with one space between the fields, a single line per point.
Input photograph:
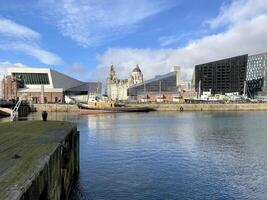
x=43 y=85
x=117 y=88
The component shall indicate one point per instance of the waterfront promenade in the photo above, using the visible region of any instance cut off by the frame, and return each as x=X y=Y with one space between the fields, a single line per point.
x=38 y=160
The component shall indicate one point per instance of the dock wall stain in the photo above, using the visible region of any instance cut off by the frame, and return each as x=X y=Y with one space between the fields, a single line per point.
x=55 y=180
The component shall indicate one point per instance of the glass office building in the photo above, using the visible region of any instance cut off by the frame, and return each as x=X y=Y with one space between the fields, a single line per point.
x=222 y=76
x=256 y=75
x=159 y=84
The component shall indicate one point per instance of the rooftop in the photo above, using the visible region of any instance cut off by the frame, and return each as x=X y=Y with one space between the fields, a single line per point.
x=156 y=78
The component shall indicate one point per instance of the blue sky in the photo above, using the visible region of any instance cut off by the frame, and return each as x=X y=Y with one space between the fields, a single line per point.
x=84 y=37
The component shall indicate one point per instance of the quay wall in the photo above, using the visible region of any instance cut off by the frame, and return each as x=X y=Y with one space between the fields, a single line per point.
x=207 y=107
x=56 y=179
x=41 y=163
x=164 y=107
x=56 y=107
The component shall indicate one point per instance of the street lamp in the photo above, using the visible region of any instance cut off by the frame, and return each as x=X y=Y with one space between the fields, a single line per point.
x=2 y=93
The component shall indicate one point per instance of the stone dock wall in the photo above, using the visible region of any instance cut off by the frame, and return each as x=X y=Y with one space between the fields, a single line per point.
x=38 y=160
x=55 y=107
x=165 y=107
x=56 y=179
x=207 y=107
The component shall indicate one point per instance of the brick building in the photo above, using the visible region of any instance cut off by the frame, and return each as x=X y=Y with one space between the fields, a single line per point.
x=10 y=87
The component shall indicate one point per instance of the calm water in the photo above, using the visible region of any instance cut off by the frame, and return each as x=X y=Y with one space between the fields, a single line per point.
x=189 y=155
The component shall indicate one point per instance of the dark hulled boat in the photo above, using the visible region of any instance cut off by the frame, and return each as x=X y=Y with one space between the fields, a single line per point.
x=103 y=107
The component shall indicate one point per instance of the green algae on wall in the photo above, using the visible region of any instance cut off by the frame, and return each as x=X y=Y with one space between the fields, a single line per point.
x=33 y=159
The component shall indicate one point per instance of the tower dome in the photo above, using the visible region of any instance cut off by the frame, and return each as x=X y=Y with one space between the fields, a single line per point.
x=136 y=69
x=137 y=76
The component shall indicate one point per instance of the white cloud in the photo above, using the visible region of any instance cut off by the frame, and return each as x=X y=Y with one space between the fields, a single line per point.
x=77 y=68
x=239 y=11
x=167 y=40
x=246 y=36
x=125 y=59
x=11 y=29
x=6 y=64
x=16 y=37
x=44 y=56
x=81 y=72
x=93 y=22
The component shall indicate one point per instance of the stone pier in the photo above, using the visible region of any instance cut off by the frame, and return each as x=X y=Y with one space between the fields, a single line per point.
x=38 y=160
x=56 y=107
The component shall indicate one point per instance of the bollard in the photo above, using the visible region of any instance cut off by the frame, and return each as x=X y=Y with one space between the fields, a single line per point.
x=44 y=116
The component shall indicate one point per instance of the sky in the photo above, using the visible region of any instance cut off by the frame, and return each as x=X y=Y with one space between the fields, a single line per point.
x=82 y=38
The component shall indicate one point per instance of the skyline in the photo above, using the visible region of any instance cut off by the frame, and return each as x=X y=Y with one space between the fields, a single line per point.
x=67 y=36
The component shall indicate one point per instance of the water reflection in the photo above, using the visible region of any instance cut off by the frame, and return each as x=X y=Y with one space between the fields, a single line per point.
x=189 y=155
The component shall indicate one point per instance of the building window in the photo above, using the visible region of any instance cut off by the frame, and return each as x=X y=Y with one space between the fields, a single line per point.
x=33 y=78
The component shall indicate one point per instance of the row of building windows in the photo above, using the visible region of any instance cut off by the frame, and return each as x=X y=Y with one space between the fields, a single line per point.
x=221 y=76
x=33 y=78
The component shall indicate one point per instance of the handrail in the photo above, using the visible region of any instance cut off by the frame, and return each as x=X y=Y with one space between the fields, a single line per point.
x=16 y=108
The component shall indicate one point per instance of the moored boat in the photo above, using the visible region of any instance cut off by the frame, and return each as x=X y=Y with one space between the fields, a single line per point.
x=105 y=107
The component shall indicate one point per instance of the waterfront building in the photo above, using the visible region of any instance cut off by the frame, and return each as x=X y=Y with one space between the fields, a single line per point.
x=222 y=76
x=162 y=88
x=44 y=85
x=117 y=88
x=9 y=86
x=257 y=75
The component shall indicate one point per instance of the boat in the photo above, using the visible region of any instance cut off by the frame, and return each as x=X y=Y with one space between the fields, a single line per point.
x=106 y=107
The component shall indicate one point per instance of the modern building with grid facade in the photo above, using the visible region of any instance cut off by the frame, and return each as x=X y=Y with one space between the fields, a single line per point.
x=257 y=75
x=222 y=76
x=44 y=85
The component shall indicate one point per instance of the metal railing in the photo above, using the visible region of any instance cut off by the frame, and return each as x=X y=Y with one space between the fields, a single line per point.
x=15 y=110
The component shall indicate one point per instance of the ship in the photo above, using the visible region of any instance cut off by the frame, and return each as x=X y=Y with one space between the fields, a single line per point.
x=97 y=106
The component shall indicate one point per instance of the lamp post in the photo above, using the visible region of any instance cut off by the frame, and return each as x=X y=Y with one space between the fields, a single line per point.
x=2 y=94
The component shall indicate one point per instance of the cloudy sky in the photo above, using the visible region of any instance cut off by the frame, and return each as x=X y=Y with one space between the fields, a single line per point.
x=83 y=38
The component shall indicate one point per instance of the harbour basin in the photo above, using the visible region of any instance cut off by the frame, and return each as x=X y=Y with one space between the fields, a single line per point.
x=170 y=155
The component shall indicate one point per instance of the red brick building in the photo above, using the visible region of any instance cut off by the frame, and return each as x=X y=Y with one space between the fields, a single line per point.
x=10 y=87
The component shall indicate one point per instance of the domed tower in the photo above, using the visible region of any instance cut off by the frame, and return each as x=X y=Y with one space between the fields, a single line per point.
x=137 y=76
x=112 y=74
x=111 y=80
